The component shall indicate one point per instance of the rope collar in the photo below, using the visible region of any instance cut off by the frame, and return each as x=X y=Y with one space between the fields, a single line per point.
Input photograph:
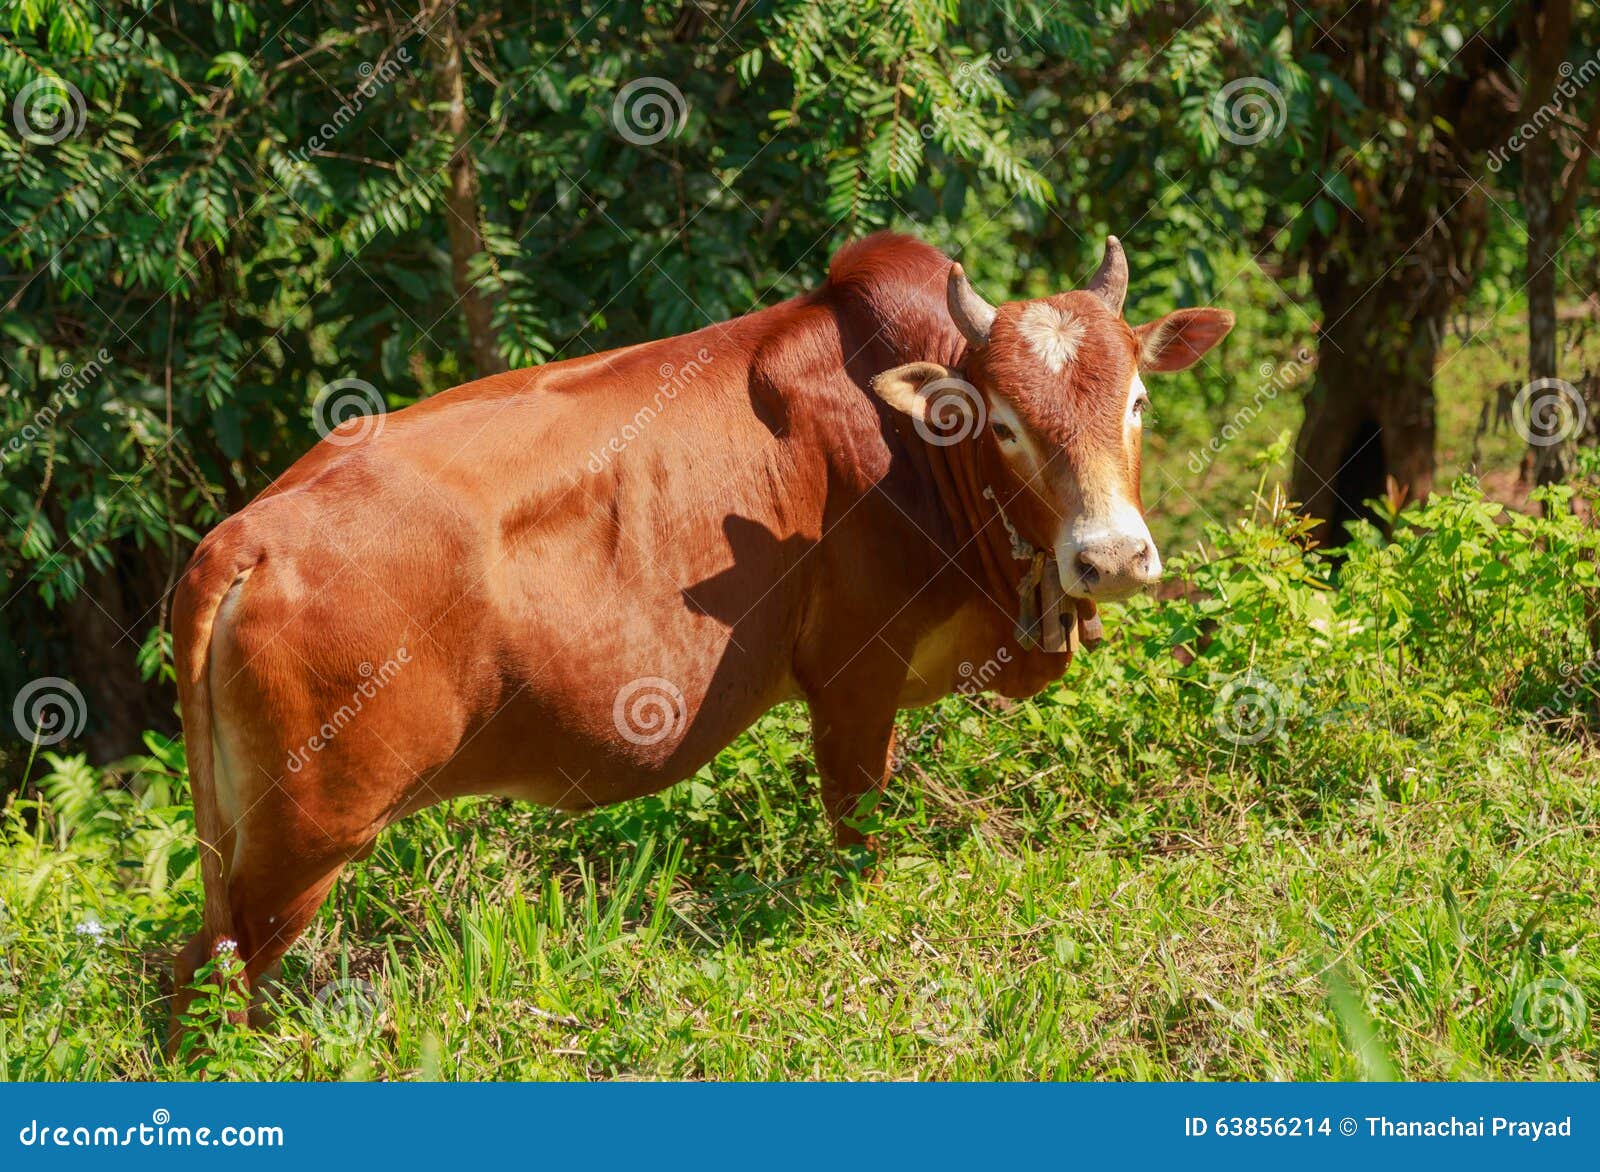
x=1020 y=578
x=1046 y=617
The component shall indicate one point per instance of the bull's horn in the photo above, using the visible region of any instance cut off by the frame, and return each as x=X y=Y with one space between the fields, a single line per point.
x=1110 y=283
x=974 y=316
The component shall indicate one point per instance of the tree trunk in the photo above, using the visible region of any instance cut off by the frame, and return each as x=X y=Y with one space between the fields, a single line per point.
x=462 y=213
x=1401 y=255
x=104 y=663
x=1370 y=413
x=1550 y=452
x=1547 y=28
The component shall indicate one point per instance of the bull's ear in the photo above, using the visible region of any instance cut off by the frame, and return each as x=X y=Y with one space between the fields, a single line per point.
x=1177 y=341
x=905 y=388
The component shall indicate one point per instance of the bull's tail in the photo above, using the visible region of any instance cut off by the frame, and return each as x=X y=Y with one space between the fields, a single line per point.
x=199 y=597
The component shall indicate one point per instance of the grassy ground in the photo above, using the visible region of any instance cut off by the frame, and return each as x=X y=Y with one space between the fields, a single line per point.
x=1281 y=833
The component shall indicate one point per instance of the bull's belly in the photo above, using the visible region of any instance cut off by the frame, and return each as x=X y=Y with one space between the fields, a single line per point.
x=600 y=734
x=612 y=681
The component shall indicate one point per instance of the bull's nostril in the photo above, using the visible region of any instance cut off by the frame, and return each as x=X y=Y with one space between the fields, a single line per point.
x=1088 y=572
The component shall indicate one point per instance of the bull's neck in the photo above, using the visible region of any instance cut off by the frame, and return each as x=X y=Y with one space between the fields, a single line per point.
x=984 y=546
x=1018 y=579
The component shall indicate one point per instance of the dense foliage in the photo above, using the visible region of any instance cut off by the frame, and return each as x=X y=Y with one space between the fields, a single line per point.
x=209 y=216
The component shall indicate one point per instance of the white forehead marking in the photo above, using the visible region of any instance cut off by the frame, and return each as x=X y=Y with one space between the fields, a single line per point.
x=1055 y=334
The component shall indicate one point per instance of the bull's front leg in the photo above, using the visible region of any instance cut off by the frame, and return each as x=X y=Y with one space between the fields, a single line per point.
x=853 y=734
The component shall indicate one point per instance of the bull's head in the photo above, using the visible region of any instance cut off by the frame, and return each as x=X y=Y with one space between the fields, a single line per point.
x=1061 y=396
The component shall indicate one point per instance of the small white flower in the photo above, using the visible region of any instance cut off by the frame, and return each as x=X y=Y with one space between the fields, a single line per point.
x=92 y=928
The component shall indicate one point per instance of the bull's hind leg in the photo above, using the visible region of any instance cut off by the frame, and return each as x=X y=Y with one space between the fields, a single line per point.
x=273 y=907
x=192 y=956
x=287 y=850
x=269 y=914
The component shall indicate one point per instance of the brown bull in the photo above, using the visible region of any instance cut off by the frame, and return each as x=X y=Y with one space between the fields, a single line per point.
x=576 y=584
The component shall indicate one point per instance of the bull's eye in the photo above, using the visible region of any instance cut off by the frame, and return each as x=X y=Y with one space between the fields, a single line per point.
x=1141 y=404
x=1003 y=433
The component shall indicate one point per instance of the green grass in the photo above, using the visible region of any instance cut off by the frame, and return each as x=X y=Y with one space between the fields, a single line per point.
x=1119 y=879
x=1167 y=928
